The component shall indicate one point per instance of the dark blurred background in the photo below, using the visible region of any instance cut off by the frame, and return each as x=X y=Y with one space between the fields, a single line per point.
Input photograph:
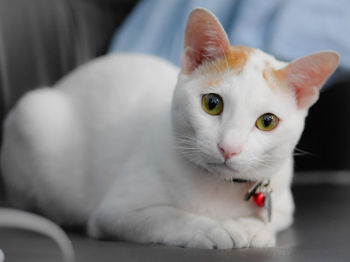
x=43 y=40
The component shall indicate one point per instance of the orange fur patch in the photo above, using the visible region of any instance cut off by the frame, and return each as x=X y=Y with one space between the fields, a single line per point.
x=234 y=59
x=276 y=79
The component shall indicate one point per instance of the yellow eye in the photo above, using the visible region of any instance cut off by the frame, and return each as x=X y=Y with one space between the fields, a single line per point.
x=267 y=122
x=212 y=104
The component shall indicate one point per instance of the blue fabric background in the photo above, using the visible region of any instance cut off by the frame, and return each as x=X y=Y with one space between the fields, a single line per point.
x=285 y=28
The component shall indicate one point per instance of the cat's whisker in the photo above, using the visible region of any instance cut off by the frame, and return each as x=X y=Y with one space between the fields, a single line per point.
x=301 y=152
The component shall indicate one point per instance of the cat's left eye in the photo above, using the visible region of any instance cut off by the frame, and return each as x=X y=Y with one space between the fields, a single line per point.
x=212 y=104
x=267 y=122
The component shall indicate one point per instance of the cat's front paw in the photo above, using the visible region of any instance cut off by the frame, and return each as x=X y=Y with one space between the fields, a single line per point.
x=259 y=233
x=238 y=233
x=249 y=232
x=263 y=238
x=208 y=234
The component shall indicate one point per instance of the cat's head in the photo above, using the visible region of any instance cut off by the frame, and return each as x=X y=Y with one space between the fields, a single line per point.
x=237 y=111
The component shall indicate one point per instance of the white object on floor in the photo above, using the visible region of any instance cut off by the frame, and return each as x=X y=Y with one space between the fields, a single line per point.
x=12 y=218
x=2 y=256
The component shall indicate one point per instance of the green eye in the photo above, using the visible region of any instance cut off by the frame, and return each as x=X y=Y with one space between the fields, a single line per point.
x=212 y=104
x=267 y=122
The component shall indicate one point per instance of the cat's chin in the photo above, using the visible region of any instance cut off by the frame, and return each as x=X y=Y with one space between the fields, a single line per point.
x=229 y=174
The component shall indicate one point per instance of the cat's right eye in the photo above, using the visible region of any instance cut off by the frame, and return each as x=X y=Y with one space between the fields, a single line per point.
x=212 y=104
x=267 y=122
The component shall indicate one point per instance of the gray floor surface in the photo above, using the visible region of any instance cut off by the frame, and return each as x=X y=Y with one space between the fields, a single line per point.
x=320 y=233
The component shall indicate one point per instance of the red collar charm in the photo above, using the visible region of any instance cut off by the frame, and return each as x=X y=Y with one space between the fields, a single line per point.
x=259 y=199
x=260 y=192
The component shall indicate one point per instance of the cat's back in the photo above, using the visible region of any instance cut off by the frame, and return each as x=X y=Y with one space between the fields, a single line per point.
x=75 y=136
x=120 y=88
x=123 y=74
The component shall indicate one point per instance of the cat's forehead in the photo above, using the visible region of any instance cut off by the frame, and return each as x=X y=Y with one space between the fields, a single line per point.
x=241 y=62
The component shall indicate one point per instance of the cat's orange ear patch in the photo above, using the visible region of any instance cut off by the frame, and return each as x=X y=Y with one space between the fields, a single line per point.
x=306 y=75
x=205 y=40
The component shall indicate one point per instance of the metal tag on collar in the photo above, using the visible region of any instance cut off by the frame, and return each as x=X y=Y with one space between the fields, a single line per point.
x=261 y=188
x=268 y=205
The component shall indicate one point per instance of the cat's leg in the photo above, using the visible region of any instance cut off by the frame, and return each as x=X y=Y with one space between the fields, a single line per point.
x=160 y=224
x=283 y=210
x=138 y=208
x=172 y=226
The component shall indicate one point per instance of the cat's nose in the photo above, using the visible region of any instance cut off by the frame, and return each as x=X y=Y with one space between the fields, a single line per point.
x=229 y=151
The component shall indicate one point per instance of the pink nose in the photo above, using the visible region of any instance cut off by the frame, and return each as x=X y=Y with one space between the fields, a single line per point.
x=228 y=151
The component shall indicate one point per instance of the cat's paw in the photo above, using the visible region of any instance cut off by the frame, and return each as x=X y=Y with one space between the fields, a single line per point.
x=238 y=233
x=259 y=233
x=206 y=234
x=263 y=238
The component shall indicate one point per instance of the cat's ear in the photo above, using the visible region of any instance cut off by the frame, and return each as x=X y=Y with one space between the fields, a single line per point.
x=306 y=75
x=205 y=39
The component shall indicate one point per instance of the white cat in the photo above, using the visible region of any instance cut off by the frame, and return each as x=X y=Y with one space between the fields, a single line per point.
x=116 y=147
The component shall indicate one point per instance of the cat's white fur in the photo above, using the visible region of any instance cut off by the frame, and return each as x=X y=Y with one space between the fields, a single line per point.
x=113 y=146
